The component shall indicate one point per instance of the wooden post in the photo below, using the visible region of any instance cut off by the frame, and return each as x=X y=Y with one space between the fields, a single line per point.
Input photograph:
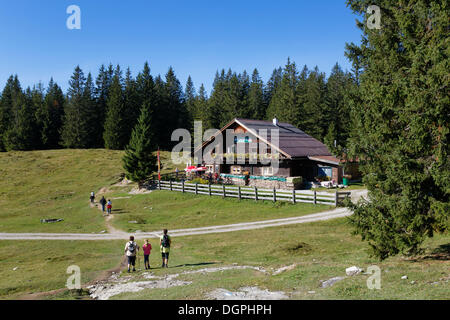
x=171 y=185
x=274 y=195
x=209 y=189
x=293 y=196
x=315 y=197
x=159 y=184
x=256 y=194
x=224 y=191
x=182 y=186
x=239 y=192
x=336 y=199
x=196 y=188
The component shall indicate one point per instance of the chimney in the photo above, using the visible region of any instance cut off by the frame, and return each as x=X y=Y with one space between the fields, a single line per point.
x=275 y=121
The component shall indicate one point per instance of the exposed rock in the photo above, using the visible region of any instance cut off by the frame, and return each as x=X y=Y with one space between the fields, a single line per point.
x=352 y=271
x=330 y=282
x=283 y=269
x=247 y=293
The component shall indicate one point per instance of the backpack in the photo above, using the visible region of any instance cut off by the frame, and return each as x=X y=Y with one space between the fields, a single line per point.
x=131 y=247
x=165 y=241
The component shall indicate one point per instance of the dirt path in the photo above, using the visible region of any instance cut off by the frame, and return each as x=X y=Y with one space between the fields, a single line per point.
x=115 y=234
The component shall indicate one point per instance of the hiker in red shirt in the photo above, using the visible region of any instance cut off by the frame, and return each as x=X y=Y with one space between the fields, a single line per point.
x=147 y=248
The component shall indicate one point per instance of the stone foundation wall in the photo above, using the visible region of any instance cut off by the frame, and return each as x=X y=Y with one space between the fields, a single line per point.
x=265 y=184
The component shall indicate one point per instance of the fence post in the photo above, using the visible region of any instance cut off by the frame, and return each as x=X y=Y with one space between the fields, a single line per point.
x=209 y=189
x=315 y=197
x=239 y=192
x=182 y=186
x=171 y=189
x=336 y=199
x=159 y=184
x=224 y=191
x=274 y=195
x=256 y=194
x=293 y=196
x=196 y=188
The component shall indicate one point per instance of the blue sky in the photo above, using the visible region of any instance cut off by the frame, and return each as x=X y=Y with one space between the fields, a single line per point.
x=195 y=37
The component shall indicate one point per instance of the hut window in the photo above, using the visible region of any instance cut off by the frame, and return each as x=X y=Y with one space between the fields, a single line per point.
x=267 y=171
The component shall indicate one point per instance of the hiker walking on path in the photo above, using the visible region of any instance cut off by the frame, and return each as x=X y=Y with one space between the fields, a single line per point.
x=92 y=197
x=103 y=203
x=147 y=248
x=164 y=244
x=131 y=249
x=109 y=207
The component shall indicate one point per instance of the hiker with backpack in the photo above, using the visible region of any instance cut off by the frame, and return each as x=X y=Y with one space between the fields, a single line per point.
x=92 y=197
x=164 y=244
x=103 y=203
x=147 y=248
x=108 y=207
x=131 y=249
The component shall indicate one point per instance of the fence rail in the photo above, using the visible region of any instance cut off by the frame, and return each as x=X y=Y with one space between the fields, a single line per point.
x=254 y=193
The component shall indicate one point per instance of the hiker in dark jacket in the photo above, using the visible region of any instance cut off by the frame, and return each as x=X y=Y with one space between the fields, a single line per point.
x=164 y=243
x=103 y=203
x=92 y=197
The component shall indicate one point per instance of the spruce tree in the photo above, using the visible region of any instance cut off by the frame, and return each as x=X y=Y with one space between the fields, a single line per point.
x=54 y=103
x=256 y=104
x=79 y=125
x=21 y=134
x=190 y=97
x=314 y=116
x=139 y=160
x=101 y=93
x=284 y=104
x=132 y=103
x=115 y=133
x=272 y=85
x=401 y=135
x=213 y=118
x=12 y=96
x=176 y=113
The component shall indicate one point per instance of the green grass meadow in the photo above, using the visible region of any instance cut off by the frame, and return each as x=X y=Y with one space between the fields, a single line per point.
x=57 y=183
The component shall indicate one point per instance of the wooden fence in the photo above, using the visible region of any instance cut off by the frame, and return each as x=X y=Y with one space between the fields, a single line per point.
x=255 y=193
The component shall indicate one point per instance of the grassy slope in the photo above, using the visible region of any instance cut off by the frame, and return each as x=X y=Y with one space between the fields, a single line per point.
x=54 y=184
x=42 y=265
x=175 y=210
x=44 y=181
x=322 y=250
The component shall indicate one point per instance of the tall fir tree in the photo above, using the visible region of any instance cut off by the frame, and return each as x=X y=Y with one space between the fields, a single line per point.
x=256 y=103
x=139 y=160
x=213 y=118
x=21 y=134
x=177 y=114
x=402 y=118
x=79 y=113
x=132 y=103
x=314 y=116
x=12 y=96
x=284 y=104
x=337 y=111
x=54 y=112
x=101 y=93
x=116 y=125
x=190 y=98
x=272 y=86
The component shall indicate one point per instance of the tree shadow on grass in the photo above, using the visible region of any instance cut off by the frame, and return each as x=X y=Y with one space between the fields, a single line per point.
x=194 y=264
x=441 y=253
x=119 y=211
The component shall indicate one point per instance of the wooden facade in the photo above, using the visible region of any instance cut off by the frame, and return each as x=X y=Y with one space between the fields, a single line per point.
x=292 y=154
